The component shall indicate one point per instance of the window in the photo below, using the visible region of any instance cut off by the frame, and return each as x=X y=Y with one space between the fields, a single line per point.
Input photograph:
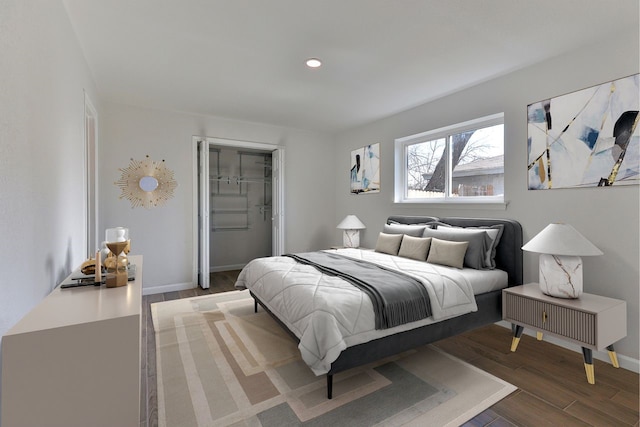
x=457 y=164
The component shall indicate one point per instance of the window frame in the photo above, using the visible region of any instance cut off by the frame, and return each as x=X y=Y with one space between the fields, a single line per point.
x=400 y=157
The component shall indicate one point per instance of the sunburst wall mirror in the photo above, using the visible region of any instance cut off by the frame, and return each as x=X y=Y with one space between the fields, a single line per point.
x=146 y=183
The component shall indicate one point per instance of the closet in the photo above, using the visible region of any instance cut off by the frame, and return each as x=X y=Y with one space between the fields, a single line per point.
x=239 y=204
x=240 y=207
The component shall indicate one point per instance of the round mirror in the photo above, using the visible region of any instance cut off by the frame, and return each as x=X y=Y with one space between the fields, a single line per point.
x=148 y=183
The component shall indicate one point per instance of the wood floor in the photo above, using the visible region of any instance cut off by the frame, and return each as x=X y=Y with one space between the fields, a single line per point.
x=552 y=386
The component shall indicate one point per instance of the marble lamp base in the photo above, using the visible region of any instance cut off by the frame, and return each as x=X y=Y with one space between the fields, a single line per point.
x=351 y=239
x=561 y=275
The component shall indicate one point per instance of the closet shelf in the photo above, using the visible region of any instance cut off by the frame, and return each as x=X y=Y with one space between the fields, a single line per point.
x=228 y=195
x=221 y=178
x=229 y=228
x=229 y=211
x=253 y=179
x=239 y=179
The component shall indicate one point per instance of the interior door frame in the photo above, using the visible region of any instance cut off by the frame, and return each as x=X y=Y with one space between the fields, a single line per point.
x=278 y=235
x=91 y=176
x=203 y=214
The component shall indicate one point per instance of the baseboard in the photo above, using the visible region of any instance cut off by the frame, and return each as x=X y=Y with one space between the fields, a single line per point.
x=167 y=288
x=625 y=362
x=217 y=268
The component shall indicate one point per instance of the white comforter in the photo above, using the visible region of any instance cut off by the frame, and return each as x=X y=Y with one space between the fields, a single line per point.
x=329 y=314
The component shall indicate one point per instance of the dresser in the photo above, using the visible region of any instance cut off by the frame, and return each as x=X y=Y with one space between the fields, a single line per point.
x=591 y=321
x=74 y=360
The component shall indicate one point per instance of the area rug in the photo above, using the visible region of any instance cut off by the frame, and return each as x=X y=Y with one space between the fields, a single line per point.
x=219 y=363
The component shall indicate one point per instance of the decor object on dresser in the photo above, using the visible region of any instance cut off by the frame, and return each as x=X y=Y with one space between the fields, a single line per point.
x=580 y=139
x=593 y=322
x=365 y=169
x=219 y=363
x=146 y=183
x=117 y=240
x=560 y=267
x=351 y=226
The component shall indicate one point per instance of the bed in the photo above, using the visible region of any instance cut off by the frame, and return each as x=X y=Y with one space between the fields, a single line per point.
x=334 y=322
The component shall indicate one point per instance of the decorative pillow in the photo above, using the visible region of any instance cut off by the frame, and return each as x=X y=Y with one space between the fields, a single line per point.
x=415 y=247
x=409 y=230
x=494 y=232
x=388 y=243
x=478 y=243
x=445 y=252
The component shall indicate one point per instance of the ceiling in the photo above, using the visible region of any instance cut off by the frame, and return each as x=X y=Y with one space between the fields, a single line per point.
x=245 y=59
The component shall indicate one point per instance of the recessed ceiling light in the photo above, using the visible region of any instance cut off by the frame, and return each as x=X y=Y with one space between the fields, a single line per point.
x=313 y=63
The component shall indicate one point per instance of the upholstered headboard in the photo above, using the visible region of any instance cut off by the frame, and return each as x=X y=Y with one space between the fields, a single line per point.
x=508 y=251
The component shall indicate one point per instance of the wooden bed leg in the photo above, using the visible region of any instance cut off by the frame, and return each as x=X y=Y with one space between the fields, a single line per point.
x=255 y=305
x=329 y=386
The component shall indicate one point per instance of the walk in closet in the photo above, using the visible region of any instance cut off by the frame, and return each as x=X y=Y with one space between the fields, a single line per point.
x=240 y=206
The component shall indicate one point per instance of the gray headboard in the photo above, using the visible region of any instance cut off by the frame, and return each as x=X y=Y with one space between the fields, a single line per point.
x=508 y=252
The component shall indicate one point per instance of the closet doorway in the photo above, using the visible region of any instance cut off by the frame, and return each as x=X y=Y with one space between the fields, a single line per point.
x=238 y=204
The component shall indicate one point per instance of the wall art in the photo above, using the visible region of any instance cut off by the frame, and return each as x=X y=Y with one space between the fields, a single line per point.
x=587 y=138
x=365 y=169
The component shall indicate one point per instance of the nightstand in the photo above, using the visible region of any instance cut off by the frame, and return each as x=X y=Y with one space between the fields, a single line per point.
x=591 y=321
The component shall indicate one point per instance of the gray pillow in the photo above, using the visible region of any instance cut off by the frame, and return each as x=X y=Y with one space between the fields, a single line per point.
x=428 y=224
x=409 y=230
x=388 y=243
x=445 y=252
x=415 y=247
x=478 y=243
x=494 y=232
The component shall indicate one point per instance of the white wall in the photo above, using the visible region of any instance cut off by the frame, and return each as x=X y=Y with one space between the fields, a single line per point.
x=608 y=217
x=164 y=234
x=42 y=78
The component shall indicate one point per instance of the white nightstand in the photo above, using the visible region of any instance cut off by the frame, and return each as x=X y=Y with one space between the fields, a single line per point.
x=591 y=321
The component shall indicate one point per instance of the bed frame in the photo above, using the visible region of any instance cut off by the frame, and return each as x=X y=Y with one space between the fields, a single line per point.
x=508 y=258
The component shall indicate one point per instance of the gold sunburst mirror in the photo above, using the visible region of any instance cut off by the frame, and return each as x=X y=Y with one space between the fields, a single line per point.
x=146 y=183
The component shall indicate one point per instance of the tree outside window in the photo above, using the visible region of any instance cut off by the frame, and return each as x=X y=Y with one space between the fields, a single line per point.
x=467 y=163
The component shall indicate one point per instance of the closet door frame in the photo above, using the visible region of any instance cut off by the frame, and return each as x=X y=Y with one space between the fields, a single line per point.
x=201 y=207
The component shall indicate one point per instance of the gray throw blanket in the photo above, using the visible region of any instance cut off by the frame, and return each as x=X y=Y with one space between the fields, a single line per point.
x=397 y=298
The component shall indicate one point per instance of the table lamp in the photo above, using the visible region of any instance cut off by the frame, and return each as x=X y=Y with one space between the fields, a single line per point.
x=560 y=247
x=351 y=226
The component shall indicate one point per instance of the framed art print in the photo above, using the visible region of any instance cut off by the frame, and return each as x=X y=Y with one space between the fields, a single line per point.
x=365 y=169
x=588 y=138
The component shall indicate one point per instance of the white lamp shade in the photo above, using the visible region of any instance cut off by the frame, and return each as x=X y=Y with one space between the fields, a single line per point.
x=561 y=239
x=351 y=222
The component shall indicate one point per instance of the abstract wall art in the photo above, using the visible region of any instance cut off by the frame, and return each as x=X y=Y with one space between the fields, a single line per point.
x=365 y=170
x=588 y=138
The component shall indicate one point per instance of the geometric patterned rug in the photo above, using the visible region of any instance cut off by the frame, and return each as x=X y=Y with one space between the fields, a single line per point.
x=219 y=363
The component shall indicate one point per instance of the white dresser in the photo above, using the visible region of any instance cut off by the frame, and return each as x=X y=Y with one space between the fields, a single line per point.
x=74 y=360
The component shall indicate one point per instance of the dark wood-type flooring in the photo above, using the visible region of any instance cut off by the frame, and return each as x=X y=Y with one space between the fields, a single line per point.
x=551 y=381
